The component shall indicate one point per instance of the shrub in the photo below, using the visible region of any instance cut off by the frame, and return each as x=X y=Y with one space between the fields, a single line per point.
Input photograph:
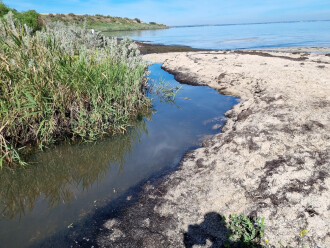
x=64 y=82
x=31 y=18
x=3 y=9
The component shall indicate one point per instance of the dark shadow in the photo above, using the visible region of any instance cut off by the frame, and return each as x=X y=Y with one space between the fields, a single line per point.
x=212 y=231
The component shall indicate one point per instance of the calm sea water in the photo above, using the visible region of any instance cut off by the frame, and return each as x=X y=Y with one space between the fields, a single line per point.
x=239 y=36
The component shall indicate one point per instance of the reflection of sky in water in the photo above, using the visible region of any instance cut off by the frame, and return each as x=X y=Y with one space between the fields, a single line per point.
x=239 y=36
x=45 y=198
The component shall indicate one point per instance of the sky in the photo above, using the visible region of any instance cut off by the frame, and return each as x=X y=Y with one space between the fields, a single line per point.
x=187 y=12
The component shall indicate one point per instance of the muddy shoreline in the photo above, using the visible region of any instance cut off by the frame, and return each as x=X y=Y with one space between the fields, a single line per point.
x=148 y=48
x=270 y=160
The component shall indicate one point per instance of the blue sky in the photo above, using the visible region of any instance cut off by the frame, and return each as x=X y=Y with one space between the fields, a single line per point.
x=185 y=12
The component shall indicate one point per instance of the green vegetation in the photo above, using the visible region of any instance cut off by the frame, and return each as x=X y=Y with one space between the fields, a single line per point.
x=102 y=23
x=31 y=18
x=245 y=231
x=64 y=82
x=98 y=22
x=248 y=232
x=164 y=91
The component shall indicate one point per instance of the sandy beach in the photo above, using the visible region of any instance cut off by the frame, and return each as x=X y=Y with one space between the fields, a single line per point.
x=270 y=160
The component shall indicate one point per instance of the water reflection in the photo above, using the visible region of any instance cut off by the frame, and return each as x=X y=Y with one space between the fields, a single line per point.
x=61 y=171
x=135 y=33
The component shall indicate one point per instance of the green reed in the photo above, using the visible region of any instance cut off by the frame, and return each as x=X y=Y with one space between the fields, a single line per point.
x=64 y=82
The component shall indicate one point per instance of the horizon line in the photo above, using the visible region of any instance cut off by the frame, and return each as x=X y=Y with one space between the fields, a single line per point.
x=246 y=23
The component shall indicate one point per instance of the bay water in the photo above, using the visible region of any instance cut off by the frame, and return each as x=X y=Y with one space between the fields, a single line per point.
x=239 y=36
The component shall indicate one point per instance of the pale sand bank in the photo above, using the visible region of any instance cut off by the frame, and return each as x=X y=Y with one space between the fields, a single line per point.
x=271 y=158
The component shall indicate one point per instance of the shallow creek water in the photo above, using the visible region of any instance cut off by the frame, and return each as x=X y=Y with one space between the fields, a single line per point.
x=46 y=202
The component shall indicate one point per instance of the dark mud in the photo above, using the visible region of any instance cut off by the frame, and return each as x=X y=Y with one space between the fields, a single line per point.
x=263 y=54
x=147 y=48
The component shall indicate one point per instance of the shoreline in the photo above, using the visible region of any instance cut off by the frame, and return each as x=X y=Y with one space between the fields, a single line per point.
x=149 y=48
x=270 y=159
x=129 y=30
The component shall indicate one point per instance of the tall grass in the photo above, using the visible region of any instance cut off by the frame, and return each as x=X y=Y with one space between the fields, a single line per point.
x=64 y=82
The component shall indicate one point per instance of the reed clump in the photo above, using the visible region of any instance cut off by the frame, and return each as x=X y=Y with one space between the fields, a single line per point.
x=64 y=82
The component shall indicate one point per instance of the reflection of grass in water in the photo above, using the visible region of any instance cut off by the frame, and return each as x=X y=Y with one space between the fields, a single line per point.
x=61 y=171
x=163 y=91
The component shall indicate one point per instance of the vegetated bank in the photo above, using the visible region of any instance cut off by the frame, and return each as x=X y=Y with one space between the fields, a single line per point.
x=63 y=82
x=102 y=23
x=98 y=22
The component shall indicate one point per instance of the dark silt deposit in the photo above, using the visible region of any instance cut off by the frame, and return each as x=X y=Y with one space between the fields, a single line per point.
x=147 y=48
x=64 y=198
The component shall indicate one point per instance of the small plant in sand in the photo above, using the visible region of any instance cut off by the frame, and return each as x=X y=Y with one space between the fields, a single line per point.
x=303 y=235
x=245 y=231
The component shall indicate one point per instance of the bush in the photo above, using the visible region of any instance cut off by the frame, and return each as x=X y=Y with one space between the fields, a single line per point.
x=31 y=18
x=64 y=82
x=3 y=9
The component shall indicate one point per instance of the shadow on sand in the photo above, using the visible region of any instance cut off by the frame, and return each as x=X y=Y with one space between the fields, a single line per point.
x=213 y=233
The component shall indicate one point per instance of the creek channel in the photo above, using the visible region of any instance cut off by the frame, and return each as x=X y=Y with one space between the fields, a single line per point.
x=43 y=204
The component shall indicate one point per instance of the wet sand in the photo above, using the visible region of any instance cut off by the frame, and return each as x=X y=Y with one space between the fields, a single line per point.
x=270 y=160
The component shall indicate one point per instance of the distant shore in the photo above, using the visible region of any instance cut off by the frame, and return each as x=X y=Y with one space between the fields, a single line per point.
x=270 y=160
x=149 y=48
x=101 y=22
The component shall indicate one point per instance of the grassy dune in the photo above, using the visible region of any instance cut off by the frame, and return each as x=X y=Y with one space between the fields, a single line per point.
x=102 y=23
x=98 y=22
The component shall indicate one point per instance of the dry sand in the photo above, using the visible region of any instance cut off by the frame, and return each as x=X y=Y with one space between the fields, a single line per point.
x=271 y=158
